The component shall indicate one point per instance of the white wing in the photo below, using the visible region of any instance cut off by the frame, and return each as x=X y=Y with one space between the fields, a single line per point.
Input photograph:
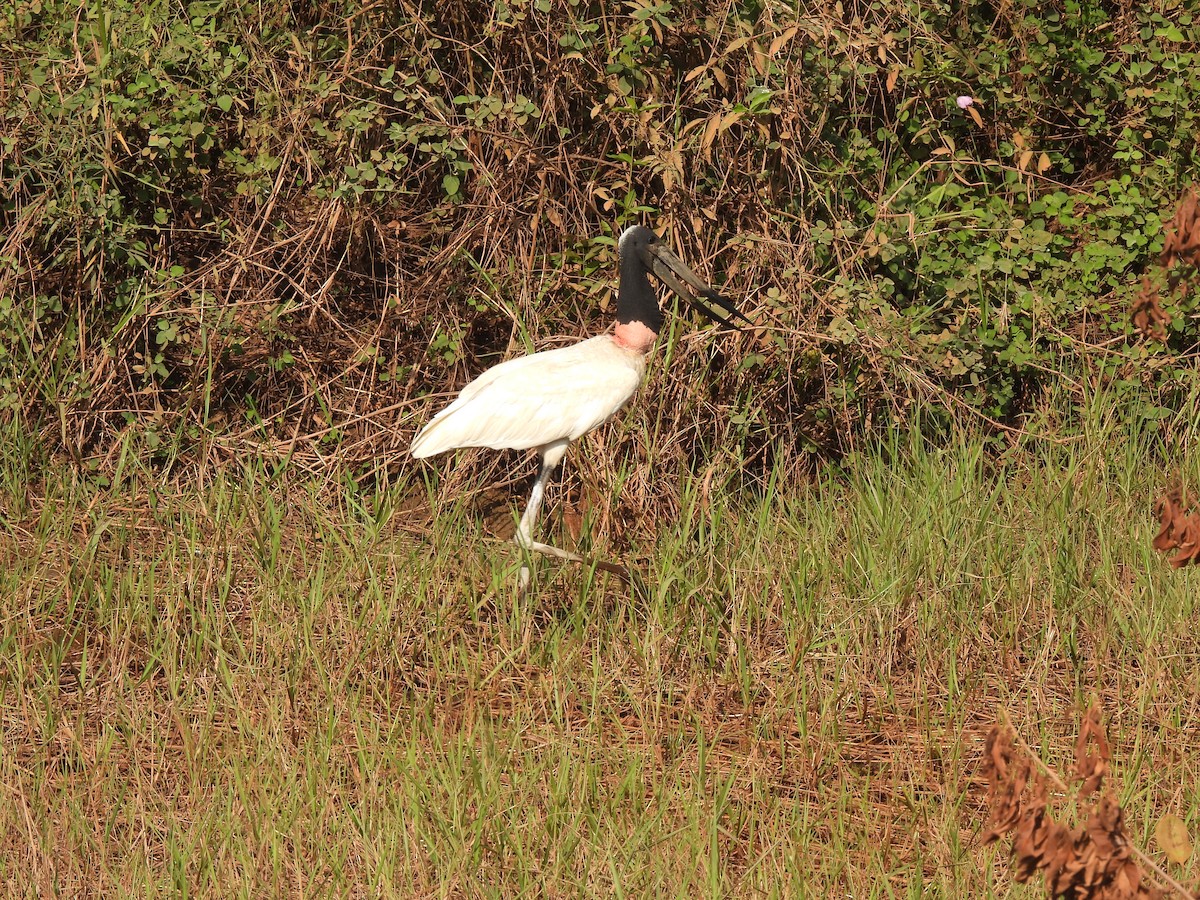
x=534 y=400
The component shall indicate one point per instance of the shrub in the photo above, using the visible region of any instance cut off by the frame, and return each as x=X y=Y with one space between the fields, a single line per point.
x=286 y=223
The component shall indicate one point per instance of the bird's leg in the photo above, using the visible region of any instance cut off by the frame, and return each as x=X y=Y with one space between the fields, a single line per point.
x=551 y=457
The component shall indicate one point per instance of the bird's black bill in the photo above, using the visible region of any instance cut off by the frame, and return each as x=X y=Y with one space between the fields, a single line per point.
x=670 y=269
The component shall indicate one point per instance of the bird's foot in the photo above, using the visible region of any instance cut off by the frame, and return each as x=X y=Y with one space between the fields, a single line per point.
x=630 y=576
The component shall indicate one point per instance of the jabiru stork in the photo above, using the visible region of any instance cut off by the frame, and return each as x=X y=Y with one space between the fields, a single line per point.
x=546 y=400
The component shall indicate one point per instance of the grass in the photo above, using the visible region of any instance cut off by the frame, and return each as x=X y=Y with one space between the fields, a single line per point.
x=256 y=683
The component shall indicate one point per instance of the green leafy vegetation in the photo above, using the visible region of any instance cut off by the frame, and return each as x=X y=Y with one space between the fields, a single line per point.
x=259 y=212
x=247 y=249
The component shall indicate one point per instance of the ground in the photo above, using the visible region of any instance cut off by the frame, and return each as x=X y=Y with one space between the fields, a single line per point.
x=253 y=681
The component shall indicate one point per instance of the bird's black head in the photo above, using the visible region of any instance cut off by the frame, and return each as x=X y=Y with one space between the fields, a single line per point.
x=640 y=252
x=634 y=241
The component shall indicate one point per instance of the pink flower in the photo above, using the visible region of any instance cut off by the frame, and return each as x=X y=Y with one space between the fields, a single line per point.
x=964 y=101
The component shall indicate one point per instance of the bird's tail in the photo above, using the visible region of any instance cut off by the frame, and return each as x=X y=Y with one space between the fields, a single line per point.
x=435 y=437
x=426 y=442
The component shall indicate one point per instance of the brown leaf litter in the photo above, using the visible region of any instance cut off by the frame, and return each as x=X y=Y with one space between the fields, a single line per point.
x=1179 y=528
x=1094 y=861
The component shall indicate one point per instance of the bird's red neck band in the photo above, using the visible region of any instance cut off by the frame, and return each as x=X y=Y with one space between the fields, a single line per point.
x=635 y=336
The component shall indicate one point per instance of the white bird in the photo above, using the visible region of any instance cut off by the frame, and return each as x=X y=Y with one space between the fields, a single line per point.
x=546 y=400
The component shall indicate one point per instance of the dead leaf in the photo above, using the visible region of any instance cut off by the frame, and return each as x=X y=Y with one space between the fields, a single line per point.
x=782 y=39
x=710 y=134
x=1091 y=862
x=737 y=44
x=1091 y=767
x=1147 y=314
x=573 y=519
x=1172 y=836
x=1180 y=259
x=1179 y=529
x=1182 y=238
x=730 y=119
x=758 y=58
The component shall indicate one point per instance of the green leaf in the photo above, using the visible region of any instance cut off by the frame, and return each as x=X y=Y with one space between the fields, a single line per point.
x=225 y=102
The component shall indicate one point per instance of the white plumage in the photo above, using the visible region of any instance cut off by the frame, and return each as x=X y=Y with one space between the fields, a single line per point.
x=537 y=400
x=546 y=400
